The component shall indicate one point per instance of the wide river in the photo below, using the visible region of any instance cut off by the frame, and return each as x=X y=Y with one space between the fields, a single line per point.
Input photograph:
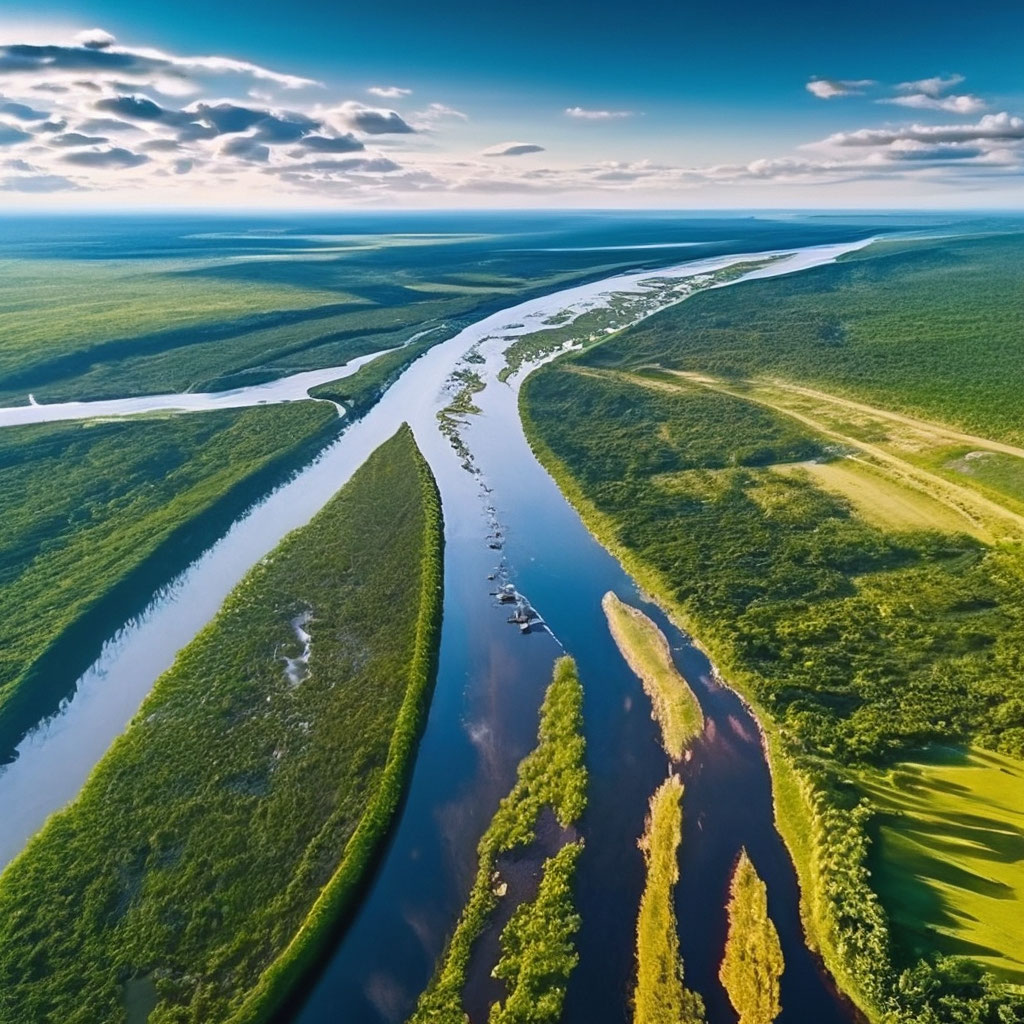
x=484 y=713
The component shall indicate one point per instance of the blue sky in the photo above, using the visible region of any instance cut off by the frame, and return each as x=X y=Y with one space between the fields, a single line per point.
x=673 y=104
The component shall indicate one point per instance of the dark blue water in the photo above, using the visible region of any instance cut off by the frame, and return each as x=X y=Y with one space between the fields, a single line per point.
x=483 y=719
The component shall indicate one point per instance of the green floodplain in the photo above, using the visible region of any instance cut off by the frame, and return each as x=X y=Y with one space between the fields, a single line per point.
x=819 y=476
x=198 y=873
x=113 y=325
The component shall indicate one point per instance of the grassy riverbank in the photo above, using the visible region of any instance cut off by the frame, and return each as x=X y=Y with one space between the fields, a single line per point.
x=660 y=996
x=199 y=870
x=856 y=644
x=643 y=646
x=361 y=390
x=552 y=775
x=98 y=515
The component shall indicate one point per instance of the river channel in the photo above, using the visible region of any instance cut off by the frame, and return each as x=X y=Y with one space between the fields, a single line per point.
x=484 y=713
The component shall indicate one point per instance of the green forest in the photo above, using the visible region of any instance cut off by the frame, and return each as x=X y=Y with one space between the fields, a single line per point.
x=929 y=327
x=198 y=873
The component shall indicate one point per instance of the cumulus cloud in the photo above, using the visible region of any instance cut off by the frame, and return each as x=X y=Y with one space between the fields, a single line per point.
x=990 y=128
x=333 y=144
x=95 y=39
x=931 y=86
x=78 y=139
x=584 y=114
x=830 y=88
x=389 y=92
x=97 y=54
x=363 y=165
x=513 y=149
x=247 y=148
x=370 y=120
x=96 y=114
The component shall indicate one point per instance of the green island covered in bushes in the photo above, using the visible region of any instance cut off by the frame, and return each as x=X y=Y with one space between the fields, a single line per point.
x=878 y=639
x=216 y=846
x=537 y=949
x=752 y=964
x=660 y=996
x=99 y=514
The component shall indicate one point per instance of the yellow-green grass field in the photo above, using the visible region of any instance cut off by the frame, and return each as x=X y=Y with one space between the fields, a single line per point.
x=646 y=651
x=949 y=858
x=878 y=497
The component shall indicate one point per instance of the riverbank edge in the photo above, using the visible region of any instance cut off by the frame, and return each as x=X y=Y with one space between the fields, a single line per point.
x=793 y=793
x=340 y=896
x=69 y=654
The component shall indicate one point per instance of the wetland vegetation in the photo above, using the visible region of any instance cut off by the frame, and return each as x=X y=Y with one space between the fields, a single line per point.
x=660 y=995
x=643 y=646
x=752 y=964
x=200 y=871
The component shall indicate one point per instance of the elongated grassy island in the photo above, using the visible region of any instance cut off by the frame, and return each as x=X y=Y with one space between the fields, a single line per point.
x=674 y=705
x=752 y=964
x=222 y=837
x=660 y=996
x=537 y=950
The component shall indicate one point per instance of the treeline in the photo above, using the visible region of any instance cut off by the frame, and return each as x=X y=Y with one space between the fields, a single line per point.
x=199 y=861
x=97 y=516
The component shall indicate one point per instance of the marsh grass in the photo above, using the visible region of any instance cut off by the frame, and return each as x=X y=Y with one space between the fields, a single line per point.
x=660 y=996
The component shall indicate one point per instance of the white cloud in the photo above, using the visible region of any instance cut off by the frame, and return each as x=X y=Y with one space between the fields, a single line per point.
x=597 y=115
x=513 y=149
x=95 y=39
x=389 y=92
x=931 y=86
x=372 y=120
x=434 y=113
x=830 y=88
x=990 y=128
x=962 y=104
